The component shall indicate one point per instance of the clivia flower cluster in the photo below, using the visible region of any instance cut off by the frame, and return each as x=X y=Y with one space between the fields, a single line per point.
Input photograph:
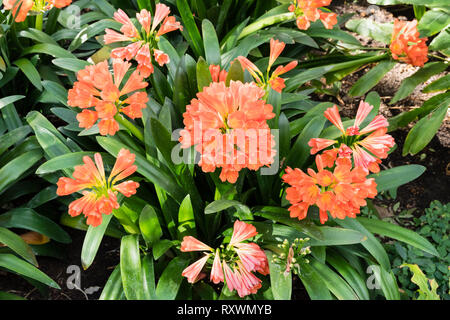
x=308 y=11
x=232 y=264
x=25 y=6
x=228 y=126
x=143 y=46
x=406 y=45
x=274 y=80
x=97 y=88
x=102 y=195
x=366 y=146
x=340 y=190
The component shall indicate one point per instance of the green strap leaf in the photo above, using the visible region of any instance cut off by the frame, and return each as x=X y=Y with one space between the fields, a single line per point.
x=191 y=33
x=333 y=281
x=130 y=268
x=399 y=233
x=350 y=275
x=92 y=241
x=149 y=225
x=424 y=130
x=30 y=72
x=15 y=264
x=16 y=244
x=113 y=289
x=29 y=219
x=170 y=281
x=11 y=172
x=371 y=78
x=210 y=43
x=396 y=177
x=423 y=74
x=186 y=219
x=371 y=244
x=281 y=284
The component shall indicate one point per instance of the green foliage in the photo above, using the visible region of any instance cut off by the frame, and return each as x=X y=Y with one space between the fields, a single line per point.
x=41 y=141
x=434 y=226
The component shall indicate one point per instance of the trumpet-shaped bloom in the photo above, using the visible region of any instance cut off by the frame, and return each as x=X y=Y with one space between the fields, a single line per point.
x=217 y=75
x=142 y=45
x=406 y=44
x=228 y=126
x=101 y=96
x=341 y=191
x=233 y=264
x=99 y=193
x=274 y=81
x=366 y=145
x=308 y=11
x=20 y=8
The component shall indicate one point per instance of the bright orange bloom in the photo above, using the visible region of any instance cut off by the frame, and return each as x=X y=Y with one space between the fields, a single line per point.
x=228 y=126
x=340 y=192
x=365 y=151
x=102 y=196
x=308 y=11
x=236 y=271
x=97 y=88
x=22 y=7
x=406 y=45
x=143 y=45
x=274 y=81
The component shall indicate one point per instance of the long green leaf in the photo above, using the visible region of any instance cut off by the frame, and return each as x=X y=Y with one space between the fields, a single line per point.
x=15 y=264
x=130 y=268
x=16 y=244
x=399 y=233
x=170 y=281
x=92 y=241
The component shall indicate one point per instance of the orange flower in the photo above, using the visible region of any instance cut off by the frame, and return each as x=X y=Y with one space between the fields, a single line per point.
x=143 y=45
x=406 y=45
x=217 y=74
x=97 y=88
x=340 y=192
x=102 y=197
x=229 y=127
x=308 y=11
x=236 y=271
x=20 y=8
x=274 y=81
x=350 y=144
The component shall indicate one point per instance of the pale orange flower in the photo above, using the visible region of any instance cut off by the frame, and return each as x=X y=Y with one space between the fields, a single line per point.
x=102 y=195
x=228 y=126
x=274 y=81
x=406 y=44
x=340 y=192
x=142 y=47
x=237 y=272
x=20 y=8
x=307 y=11
x=218 y=75
x=97 y=88
x=354 y=143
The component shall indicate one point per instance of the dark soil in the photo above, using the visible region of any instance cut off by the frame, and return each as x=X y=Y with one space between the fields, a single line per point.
x=57 y=269
x=434 y=184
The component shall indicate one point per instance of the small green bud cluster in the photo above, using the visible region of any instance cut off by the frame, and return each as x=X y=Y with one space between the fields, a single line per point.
x=289 y=255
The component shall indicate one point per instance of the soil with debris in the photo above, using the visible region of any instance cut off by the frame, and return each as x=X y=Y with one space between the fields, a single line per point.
x=391 y=82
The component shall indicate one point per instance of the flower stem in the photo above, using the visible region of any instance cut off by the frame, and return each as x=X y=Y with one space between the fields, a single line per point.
x=265 y=22
x=39 y=21
x=131 y=127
